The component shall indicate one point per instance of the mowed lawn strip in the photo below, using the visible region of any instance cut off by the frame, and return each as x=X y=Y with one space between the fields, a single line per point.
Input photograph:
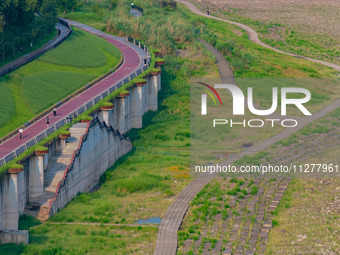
x=50 y=78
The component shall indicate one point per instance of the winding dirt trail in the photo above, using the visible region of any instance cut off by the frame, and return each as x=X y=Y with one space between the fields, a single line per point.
x=166 y=243
x=253 y=36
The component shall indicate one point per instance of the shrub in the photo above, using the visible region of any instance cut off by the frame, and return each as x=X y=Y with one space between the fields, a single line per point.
x=254 y=190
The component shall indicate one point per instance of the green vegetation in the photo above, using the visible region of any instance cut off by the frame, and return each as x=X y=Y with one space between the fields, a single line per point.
x=249 y=60
x=306 y=199
x=83 y=239
x=15 y=166
x=28 y=48
x=55 y=75
x=226 y=213
x=291 y=37
x=142 y=183
x=52 y=87
x=25 y=26
x=40 y=148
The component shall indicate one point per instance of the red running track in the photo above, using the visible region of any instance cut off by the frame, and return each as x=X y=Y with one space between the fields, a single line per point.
x=131 y=64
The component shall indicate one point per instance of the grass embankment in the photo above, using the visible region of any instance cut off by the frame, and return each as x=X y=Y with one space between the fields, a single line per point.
x=308 y=35
x=143 y=183
x=251 y=63
x=53 y=76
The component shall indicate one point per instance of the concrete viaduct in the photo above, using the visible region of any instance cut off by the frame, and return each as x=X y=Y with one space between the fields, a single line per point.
x=74 y=162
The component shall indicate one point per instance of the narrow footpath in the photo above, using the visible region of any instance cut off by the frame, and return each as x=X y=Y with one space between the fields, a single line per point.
x=253 y=36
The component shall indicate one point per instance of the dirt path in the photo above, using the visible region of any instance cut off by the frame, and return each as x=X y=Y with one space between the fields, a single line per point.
x=253 y=36
x=166 y=243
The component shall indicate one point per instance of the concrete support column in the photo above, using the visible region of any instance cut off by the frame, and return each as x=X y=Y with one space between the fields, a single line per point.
x=145 y=97
x=153 y=91
x=37 y=174
x=62 y=141
x=62 y=144
x=105 y=112
x=137 y=105
x=121 y=111
x=159 y=84
x=159 y=65
x=12 y=200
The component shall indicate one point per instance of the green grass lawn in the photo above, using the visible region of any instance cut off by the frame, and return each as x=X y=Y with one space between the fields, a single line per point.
x=85 y=239
x=53 y=76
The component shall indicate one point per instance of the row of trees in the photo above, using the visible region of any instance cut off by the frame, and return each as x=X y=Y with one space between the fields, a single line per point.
x=24 y=22
x=17 y=14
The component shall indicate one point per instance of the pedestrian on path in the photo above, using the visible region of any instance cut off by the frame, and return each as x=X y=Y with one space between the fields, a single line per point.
x=208 y=12
x=132 y=5
x=48 y=121
x=145 y=61
x=20 y=132
x=54 y=112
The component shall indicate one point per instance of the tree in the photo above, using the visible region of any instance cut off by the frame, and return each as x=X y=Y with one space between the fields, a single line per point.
x=18 y=12
x=21 y=13
x=48 y=10
x=67 y=4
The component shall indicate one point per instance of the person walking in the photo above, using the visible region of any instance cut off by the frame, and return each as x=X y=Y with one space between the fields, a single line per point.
x=54 y=112
x=48 y=121
x=145 y=61
x=20 y=132
x=208 y=12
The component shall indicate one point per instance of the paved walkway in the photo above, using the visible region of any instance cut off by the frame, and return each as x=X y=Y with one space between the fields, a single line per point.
x=253 y=36
x=133 y=56
x=166 y=243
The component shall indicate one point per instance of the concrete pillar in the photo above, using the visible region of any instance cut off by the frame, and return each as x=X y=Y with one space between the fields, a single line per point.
x=121 y=111
x=106 y=117
x=105 y=112
x=128 y=113
x=62 y=141
x=37 y=177
x=12 y=200
x=37 y=174
x=159 y=65
x=137 y=105
x=145 y=97
x=159 y=84
x=153 y=91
